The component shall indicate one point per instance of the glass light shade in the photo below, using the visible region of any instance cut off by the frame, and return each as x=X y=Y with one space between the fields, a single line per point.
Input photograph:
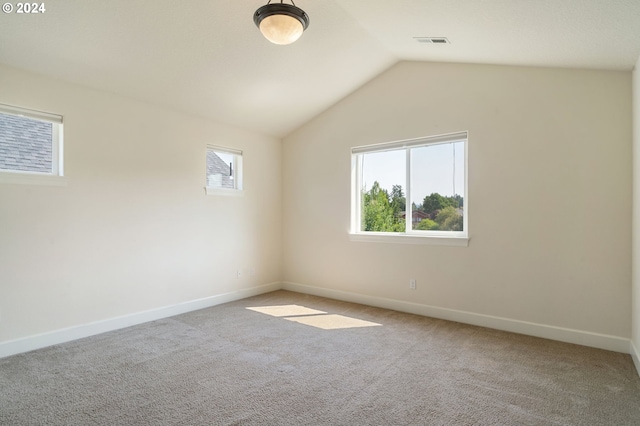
x=281 y=29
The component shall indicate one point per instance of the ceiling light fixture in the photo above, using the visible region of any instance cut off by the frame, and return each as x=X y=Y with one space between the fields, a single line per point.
x=281 y=23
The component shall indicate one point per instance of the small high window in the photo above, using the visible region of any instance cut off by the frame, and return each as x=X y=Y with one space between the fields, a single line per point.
x=30 y=143
x=224 y=171
x=411 y=188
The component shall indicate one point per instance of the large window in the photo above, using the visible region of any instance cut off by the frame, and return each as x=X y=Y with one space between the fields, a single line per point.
x=30 y=143
x=224 y=171
x=415 y=188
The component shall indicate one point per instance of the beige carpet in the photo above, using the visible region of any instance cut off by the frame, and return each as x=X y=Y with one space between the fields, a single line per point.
x=302 y=360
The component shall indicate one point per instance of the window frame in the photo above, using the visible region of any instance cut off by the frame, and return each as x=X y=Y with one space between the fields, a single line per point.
x=238 y=178
x=410 y=236
x=56 y=176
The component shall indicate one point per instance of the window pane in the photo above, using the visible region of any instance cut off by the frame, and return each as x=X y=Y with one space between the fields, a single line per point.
x=382 y=191
x=221 y=169
x=437 y=187
x=25 y=144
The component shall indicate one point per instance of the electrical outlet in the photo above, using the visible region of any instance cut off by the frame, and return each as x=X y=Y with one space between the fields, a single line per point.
x=412 y=284
x=239 y=273
x=252 y=272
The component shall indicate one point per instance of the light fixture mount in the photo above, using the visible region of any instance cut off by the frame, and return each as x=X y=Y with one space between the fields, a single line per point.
x=281 y=23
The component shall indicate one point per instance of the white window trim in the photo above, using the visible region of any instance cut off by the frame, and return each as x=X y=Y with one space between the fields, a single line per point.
x=449 y=238
x=31 y=113
x=31 y=178
x=403 y=238
x=210 y=190
x=238 y=191
x=56 y=177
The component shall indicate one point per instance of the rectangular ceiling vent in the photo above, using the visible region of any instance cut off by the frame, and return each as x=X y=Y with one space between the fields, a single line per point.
x=432 y=40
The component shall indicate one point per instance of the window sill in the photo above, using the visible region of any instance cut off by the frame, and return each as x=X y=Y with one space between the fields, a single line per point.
x=210 y=190
x=409 y=239
x=23 y=178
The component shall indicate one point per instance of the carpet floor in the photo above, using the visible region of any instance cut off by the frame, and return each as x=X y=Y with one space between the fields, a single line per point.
x=285 y=358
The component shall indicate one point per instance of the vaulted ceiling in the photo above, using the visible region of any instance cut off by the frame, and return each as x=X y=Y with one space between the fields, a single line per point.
x=206 y=57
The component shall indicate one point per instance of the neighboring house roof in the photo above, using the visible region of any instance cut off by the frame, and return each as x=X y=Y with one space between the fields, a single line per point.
x=25 y=144
x=415 y=214
x=217 y=166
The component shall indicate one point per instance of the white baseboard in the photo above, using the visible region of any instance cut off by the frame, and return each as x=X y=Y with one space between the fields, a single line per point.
x=602 y=341
x=635 y=355
x=38 y=341
x=585 y=338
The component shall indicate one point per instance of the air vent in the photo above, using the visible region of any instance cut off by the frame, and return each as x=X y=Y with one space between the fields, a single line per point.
x=432 y=40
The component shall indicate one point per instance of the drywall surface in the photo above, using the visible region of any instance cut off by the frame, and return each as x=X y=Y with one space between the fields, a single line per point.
x=549 y=197
x=635 y=338
x=133 y=229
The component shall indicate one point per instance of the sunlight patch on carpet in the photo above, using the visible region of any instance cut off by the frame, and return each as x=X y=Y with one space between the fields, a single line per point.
x=286 y=310
x=332 y=322
x=312 y=317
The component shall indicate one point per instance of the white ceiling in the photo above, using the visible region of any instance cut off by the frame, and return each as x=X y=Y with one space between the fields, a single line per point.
x=206 y=57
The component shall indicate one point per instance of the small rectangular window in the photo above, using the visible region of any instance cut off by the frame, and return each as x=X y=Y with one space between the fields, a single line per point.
x=30 y=142
x=414 y=188
x=224 y=170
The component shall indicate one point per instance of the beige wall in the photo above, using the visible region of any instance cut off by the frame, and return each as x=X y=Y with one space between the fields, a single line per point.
x=549 y=203
x=635 y=338
x=549 y=194
x=133 y=229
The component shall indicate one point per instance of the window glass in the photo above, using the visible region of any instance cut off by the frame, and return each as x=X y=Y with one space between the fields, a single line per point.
x=437 y=187
x=382 y=192
x=220 y=170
